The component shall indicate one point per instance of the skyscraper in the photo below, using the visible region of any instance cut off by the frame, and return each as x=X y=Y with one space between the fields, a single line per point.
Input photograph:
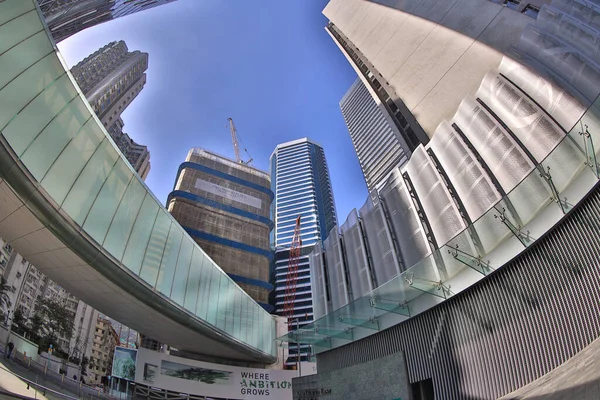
x=67 y=17
x=224 y=205
x=110 y=79
x=302 y=188
x=377 y=141
x=498 y=103
x=137 y=154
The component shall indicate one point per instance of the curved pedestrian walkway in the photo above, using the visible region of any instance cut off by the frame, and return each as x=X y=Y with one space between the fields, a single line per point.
x=72 y=205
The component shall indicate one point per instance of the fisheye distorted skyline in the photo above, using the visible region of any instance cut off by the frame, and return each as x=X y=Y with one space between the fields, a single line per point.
x=269 y=65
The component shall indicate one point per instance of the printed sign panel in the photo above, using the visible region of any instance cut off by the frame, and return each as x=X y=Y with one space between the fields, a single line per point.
x=228 y=193
x=214 y=380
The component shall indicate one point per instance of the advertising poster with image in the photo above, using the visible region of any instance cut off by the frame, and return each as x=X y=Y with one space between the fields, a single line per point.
x=213 y=380
x=124 y=363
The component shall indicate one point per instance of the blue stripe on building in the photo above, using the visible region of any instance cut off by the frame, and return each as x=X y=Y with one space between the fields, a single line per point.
x=216 y=204
x=250 y=281
x=230 y=243
x=223 y=175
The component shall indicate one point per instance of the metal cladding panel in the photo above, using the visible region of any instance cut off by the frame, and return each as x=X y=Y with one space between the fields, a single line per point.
x=503 y=155
x=359 y=270
x=571 y=31
x=472 y=183
x=338 y=285
x=318 y=282
x=564 y=108
x=511 y=328
x=441 y=211
x=586 y=11
x=405 y=221
x=385 y=263
x=530 y=124
x=563 y=60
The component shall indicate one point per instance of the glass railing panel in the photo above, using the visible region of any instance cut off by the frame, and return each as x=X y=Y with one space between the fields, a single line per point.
x=80 y=198
x=564 y=164
x=124 y=219
x=528 y=198
x=222 y=303
x=232 y=306
x=205 y=273
x=182 y=272
x=213 y=296
x=71 y=161
x=168 y=263
x=490 y=230
x=105 y=205
x=140 y=235
x=394 y=293
x=194 y=281
x=12 y=9
x=13 y=31
x=462 y=252
x=155 y=248
x=50 y=142
x=586 y=132
x=21 y=79
x=427 y=276
x=245 y=319
x=237 y=320
x=24 y=59
x=35 y=110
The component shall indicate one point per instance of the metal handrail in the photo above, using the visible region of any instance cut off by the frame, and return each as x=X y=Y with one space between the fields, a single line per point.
x=84 y=390
x=29 y=383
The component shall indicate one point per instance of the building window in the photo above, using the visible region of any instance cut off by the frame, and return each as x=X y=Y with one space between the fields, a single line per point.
x=514 y=4
x=531 y=11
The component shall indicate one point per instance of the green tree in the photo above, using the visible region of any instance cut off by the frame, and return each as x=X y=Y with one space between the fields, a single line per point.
x=84 y=364
x=36 y=325
x=5 y=302
x=53 y=320
x=18 y=317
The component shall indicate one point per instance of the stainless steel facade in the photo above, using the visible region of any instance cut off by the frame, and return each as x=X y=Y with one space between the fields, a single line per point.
x=494 y=218
x=496 y=138
x=509 y=329
x=67 y=17
x=378 y=144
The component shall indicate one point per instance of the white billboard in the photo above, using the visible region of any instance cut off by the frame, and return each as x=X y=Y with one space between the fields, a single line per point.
x=228 y=193
x=213 y=380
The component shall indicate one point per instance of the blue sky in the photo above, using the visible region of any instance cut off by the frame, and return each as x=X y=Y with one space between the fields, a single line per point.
x=268 y=64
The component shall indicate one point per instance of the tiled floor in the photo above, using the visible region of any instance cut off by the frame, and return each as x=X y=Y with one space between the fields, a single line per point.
x=577 y=379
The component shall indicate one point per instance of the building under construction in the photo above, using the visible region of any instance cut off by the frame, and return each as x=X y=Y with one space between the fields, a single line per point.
x=224 y=205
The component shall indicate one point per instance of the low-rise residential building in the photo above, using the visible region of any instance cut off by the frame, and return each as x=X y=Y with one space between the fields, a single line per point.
x=103 y=349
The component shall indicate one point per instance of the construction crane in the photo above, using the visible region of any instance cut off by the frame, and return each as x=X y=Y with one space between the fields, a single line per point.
x=292 y=275
x=236 y=146
x=291 y=282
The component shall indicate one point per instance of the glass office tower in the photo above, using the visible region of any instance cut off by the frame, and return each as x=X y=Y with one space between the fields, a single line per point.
x=300 y=179
x=378 y=143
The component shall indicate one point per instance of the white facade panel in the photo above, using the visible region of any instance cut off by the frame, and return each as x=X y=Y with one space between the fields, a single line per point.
x=357 y=262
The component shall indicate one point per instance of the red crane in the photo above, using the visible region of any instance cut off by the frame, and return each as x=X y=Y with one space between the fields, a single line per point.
x=292 y=275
